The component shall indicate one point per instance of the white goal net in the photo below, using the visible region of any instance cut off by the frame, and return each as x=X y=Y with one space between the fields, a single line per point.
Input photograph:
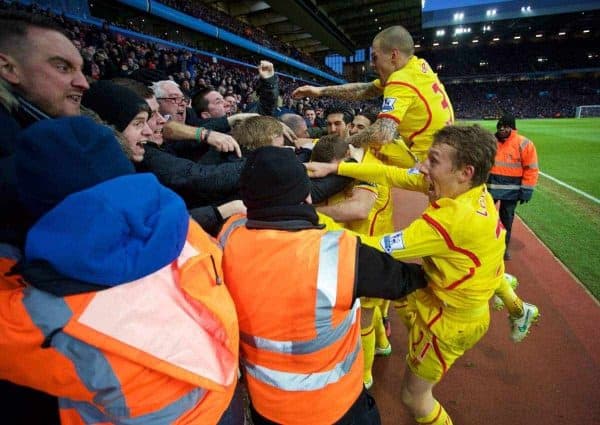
x=587 y=111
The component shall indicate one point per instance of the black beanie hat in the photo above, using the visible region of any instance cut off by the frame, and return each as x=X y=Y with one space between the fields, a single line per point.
x=55 y=158
x=272 y=177
x=507 y=120
x=117 y=105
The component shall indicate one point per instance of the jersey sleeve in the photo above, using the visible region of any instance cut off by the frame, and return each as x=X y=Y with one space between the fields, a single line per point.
x=385 y=175
x=419 y=239
x=397 y=98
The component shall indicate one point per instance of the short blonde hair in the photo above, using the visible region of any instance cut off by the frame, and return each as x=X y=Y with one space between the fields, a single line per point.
x=256 y=132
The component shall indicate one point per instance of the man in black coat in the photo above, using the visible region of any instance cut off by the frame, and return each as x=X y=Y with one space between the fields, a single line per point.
x=40 y=77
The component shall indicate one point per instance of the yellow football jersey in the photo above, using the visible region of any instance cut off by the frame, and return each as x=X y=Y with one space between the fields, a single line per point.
x=460 y=240
x=414 y=97
x=381 y=217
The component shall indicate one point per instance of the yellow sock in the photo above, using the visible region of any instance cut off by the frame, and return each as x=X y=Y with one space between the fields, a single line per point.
x=437 y=416
x=367 y=336
x=385 y=307
x=509 y=297
x=381 y=339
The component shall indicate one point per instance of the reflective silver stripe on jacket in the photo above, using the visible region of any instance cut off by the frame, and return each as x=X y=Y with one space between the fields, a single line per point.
x=504 y=186
x=508 y=164
x=237 y=223
x=289 y=381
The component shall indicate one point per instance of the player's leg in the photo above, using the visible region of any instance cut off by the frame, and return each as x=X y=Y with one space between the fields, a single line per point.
x=425 y=367
x=367 y=336
x=385 y=318
x=382 y=344
x=509 y=297
x=521 y=315
x=497 y=302
x=418 y=397
x=435 y=342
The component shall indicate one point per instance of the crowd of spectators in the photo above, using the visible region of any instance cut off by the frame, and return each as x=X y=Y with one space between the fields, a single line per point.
x=241 y=28
x=108 y=55
x=523 y=99
x=514 y=58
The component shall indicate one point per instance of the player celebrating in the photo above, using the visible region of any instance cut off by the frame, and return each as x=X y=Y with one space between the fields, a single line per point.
x=461 y=241
x=415 y=103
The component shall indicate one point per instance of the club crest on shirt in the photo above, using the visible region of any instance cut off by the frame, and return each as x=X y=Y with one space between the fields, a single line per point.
x=393 y=242
x=388 y=104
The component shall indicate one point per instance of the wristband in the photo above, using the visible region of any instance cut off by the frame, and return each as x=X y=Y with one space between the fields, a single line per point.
x=199 y=134
x=206 y=134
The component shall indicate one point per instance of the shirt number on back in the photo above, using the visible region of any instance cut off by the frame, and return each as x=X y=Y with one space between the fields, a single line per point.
x=437 y=89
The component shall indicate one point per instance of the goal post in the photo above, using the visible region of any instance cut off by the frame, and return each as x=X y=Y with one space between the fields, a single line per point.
x=587 y=111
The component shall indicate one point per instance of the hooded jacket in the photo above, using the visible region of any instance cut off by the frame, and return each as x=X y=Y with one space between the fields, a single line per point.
x=126 y=268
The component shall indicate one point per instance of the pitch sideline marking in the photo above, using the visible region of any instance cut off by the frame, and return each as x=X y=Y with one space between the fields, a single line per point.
x=580 y=192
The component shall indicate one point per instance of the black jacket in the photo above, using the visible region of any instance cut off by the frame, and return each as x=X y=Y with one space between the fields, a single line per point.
x=198 y=184
x=267 y=90
x=13 y=218
x=19 y=405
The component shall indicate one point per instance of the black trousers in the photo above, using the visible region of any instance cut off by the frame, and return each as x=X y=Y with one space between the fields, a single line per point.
x=364 y=411
x=507 y=215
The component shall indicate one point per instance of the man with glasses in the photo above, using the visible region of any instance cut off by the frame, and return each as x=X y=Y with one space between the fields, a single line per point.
x=172 y=104
x=171 y=100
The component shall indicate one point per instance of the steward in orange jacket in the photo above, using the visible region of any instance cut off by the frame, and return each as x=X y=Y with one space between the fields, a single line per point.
x=515 y=171
x=118 y=307
x=296 y=288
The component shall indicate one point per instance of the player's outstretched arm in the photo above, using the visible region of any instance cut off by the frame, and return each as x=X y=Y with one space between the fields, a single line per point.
x=351 y=91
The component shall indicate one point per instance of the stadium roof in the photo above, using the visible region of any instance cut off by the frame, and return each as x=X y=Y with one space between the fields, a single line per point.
x=322 y=27
x=325 y=26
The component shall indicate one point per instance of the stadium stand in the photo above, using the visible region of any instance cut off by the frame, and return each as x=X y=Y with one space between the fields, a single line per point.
x=523 y=85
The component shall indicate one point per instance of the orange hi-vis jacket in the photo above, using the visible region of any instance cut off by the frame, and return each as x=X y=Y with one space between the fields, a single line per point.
x=162 y=349
x=299 y=320
x=515 y=171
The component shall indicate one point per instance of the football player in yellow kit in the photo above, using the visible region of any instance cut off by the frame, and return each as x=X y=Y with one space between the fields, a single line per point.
x=461 y=240
x=415 y=102
x=415 y=105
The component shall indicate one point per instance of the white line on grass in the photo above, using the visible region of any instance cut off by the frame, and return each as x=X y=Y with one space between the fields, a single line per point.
x=581 y=192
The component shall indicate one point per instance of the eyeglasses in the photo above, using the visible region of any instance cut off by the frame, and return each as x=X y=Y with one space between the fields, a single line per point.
x=176 y=100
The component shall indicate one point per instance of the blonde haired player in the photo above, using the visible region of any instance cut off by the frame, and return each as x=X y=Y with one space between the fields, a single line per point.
x=461 y=241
